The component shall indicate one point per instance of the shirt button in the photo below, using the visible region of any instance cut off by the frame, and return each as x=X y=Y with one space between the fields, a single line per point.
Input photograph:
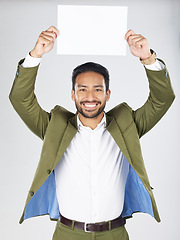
x=48 y=171
x=31 y=193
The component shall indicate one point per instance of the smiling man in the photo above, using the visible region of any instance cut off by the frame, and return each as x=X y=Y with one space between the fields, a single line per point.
x=91 y=175
x=90 y=94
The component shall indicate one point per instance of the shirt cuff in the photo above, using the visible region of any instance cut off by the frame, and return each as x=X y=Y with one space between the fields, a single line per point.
x=157 y=66
x=31 y=61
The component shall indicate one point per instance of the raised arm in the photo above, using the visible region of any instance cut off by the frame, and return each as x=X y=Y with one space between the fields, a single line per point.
x=161 y=94
x=22 y=94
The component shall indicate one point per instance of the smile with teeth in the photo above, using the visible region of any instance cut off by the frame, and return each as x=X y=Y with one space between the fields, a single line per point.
x=90 y=105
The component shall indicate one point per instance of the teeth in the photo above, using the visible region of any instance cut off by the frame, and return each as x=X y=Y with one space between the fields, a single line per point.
x=90 y=106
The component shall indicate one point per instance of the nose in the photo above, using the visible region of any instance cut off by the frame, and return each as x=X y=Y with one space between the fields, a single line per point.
x=90 y=95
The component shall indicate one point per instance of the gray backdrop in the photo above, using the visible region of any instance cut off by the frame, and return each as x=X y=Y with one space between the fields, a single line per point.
x=20 y=24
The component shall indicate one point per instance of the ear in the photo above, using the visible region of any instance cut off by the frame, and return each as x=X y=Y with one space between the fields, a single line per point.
x=108 y=93
x=73 y=95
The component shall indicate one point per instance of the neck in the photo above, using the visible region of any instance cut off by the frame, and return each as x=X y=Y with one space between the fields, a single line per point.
x=91 y=122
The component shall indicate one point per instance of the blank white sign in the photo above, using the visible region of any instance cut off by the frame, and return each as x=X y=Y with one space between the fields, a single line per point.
x=92 y=30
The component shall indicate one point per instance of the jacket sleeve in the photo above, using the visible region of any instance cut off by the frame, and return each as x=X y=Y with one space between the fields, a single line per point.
x=160 y=98
x=25 y=103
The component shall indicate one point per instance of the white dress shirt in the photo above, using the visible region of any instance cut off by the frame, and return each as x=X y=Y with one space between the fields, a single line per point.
x=91 y=176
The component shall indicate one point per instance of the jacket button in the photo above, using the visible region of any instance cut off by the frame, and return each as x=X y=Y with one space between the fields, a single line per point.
x=48 y=171
x=31 y=193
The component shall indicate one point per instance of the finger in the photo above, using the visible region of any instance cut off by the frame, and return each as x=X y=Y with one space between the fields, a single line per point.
x=45 y=41
x=129 y=33
x=135 y=38
x=48 y=35
x=141 y=42
x=54 y=30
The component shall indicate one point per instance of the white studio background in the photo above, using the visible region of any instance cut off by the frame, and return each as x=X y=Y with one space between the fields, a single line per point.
x=20 y=24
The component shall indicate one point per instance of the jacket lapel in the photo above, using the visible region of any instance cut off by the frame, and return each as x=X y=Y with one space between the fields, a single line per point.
x=114 y=130
x=69 y=134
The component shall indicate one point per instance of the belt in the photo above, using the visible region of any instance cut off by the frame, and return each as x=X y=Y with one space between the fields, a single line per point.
x=94 y=227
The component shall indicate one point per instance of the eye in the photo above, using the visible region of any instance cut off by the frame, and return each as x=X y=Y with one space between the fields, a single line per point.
x=98 y=89
x=82 y=89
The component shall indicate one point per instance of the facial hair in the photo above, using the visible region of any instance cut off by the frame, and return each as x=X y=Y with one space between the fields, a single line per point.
x=94 y=115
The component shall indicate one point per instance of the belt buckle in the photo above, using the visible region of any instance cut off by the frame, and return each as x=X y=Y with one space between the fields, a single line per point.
x=85 y=228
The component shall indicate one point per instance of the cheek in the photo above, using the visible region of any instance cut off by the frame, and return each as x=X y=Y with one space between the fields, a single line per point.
x=105 y=97
x=76 y=97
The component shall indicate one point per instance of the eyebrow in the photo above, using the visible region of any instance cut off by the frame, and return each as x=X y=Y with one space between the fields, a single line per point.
x=85 y=86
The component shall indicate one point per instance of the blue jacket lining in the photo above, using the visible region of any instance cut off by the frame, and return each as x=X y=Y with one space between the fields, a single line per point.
x=44 y=201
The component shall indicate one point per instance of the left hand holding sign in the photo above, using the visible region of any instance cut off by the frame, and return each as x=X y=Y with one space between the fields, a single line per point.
x=45 y=42
x=138 y=45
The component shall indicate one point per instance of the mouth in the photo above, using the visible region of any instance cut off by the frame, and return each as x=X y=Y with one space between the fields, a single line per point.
x=90 y=105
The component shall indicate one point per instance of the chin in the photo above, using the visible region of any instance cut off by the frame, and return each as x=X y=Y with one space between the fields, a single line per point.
x=91 y=115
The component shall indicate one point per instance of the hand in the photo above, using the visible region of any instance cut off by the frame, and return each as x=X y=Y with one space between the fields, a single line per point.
x=45 y=42
x=138 y=45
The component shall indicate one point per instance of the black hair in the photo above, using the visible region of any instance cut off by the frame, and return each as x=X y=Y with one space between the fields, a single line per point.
x=90 y=67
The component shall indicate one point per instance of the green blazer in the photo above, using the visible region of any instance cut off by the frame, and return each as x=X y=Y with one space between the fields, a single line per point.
x=58 y=128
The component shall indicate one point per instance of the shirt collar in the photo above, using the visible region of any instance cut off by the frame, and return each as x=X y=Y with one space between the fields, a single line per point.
x=102 y=123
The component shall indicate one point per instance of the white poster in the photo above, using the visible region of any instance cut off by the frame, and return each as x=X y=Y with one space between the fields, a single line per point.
x=92 y=30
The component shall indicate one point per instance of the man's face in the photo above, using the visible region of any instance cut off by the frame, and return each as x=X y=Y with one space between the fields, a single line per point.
x=90 y=94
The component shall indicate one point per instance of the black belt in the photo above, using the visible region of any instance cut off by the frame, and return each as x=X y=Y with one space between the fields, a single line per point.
x=94 y=227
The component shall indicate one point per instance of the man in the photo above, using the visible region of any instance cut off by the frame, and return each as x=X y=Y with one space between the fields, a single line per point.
x=91 y=176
